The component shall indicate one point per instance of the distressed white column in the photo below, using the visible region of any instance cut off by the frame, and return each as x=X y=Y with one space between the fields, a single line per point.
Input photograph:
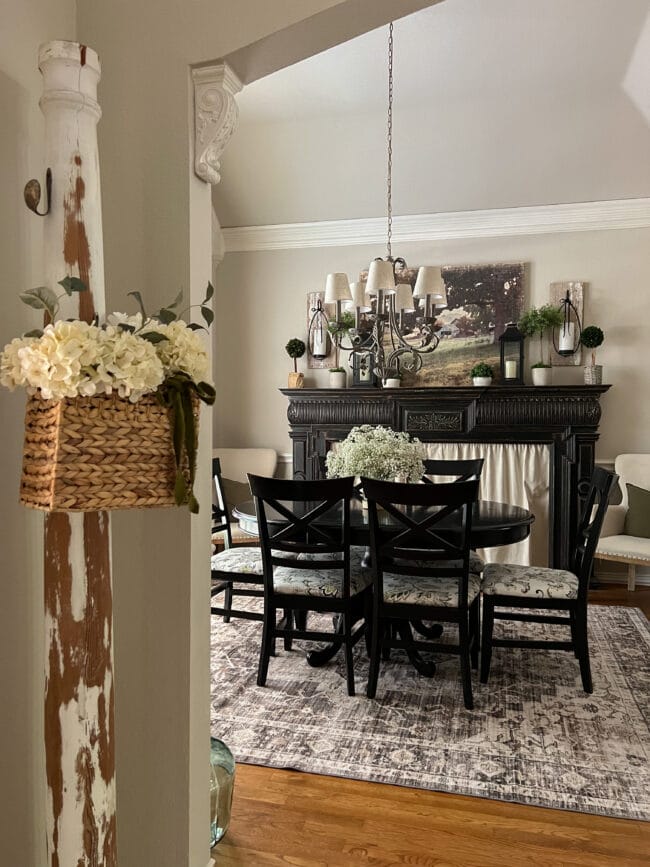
x=79 y=706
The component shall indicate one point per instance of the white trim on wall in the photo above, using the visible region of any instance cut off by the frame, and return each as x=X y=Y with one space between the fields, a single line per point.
x=493 y=223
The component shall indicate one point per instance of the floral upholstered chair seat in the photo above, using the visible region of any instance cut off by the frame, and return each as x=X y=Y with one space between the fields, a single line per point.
x=243 y=561
x=435 y=591
x=507 y=579
x=476 y=563
x=322 y=582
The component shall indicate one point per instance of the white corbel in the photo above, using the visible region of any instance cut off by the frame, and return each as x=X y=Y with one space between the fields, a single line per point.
x=215 y=117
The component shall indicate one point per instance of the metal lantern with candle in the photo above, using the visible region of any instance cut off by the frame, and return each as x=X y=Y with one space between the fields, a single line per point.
x=318 y=338
x=512 y=355
x=566 y=337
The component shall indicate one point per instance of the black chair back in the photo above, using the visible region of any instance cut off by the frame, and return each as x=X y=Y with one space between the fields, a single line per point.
x=220 y=508
x=435 y=525
x=464 y=470
x=288 y=513
x=591 y=523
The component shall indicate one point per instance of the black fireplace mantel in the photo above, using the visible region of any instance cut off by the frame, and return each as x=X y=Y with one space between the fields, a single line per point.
x=566 y=417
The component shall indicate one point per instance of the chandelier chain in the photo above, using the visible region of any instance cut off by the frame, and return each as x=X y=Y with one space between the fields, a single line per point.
x=389 y=173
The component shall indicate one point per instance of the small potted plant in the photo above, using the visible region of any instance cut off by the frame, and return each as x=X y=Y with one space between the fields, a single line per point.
x=393 y=378
x=592 y=337
x=296 y=349
x=339 y=328
x=482 y=374
x=539 y=320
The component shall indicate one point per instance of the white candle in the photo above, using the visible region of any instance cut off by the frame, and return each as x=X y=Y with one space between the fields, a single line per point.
x=319 y=347
x=511 y=369
x=566 y=337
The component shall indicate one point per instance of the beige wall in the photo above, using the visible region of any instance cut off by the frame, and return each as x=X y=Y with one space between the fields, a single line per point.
x=22 y=795
x=261 y=304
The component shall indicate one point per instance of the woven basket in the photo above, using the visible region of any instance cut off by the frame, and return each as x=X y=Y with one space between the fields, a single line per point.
x=87 y=454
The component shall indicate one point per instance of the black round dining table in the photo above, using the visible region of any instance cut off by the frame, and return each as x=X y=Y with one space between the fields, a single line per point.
x=493 y=524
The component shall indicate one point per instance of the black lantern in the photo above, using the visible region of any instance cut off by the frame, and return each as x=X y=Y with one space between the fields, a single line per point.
x=512 y=355
x=363 y=364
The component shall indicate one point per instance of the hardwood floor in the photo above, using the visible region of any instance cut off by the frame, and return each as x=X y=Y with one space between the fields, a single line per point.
x=305 y=820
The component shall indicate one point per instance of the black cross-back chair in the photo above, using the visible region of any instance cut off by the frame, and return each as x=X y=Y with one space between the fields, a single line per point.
x=234 y=565
x=463 y=469
x=422 y=571
x=530 y=587
x=308 y=566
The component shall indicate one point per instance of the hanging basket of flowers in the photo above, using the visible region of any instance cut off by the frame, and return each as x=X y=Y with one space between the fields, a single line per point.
x=112 y=410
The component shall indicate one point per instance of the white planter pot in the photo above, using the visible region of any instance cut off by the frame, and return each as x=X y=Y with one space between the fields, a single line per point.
x=338 y=379
x=392 y=383
x=541 y=375
x=482 y=381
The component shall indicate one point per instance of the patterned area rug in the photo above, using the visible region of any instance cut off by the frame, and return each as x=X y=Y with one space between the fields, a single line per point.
x=534 y=737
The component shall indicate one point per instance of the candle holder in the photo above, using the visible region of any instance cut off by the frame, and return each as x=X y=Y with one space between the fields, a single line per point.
x=566 y=338
x=512 y=355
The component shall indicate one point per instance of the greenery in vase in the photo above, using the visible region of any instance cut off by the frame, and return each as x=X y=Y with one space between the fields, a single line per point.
x=340 y=328
x=129 y=355
x=295 y=349
x=592 y=337
x=539 y=364
x=337 y=370
x=378 y=453
x=481 y=369
x=539 y=320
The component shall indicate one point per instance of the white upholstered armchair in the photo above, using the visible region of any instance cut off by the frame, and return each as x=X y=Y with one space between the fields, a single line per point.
x=614 y=544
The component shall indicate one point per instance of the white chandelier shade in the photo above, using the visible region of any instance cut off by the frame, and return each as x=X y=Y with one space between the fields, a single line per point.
x=360 y=300
x=381 y=277
x=337 y=288
x=404 y=298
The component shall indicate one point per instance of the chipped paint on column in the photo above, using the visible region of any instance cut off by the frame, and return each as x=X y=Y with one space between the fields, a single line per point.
x=79 y=696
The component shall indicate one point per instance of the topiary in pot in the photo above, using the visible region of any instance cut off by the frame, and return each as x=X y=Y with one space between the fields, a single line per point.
x=592 y=337
x=482 y=374
x=295 y=349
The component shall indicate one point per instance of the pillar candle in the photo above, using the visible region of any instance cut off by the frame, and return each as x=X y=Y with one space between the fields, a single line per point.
x=511 y=369
x=566 y=337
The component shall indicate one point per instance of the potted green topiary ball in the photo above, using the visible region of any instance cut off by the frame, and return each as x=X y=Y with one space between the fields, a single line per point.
x=482 y=374
x=592 y=337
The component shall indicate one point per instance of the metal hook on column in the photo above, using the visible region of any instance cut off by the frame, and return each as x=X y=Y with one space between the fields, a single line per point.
x=32 y=194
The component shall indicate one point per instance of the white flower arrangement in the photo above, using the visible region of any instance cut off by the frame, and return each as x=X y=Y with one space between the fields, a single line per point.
x=378 y=453
x=130 y=356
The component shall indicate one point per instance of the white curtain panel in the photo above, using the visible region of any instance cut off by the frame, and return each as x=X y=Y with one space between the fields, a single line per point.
x=517 y=474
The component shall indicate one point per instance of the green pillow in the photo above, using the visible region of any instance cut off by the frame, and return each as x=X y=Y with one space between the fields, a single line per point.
x=235 y=492
x=637 y=520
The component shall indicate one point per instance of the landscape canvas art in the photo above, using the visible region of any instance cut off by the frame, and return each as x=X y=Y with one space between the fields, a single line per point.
x=481 y=300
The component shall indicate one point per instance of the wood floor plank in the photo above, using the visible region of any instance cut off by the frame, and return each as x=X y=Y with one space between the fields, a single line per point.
x=296 y=819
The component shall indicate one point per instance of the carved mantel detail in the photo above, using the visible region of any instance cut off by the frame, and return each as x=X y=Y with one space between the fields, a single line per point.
x=215 y=117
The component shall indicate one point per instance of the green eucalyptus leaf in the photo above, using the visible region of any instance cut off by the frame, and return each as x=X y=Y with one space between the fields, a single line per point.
x=176 y=301
x=73 y=284
x=209 y=292
x=124 y=326
x=166 y=316
x=208 y=315
x=194 y=326
x=138 y=298
x=153 y=336
x=41 y=298
x=36 y=332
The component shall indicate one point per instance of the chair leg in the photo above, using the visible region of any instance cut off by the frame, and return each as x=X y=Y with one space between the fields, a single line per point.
x=347 y=649
x=631 y=576
x=227 y=602
x=465 y=670
x=583 y=644
x=268 y=640
x=475 y=630
x=385 y=650
x=486 y=641
x=288 y=640
x=367 y=615
x=375 y=648
x=574 y=634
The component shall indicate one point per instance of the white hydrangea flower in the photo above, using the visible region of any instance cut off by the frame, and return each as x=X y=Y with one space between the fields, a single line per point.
x=182 y=351
x=12 y=374
x=133 y=319
x=128 y=365
x=377 y=453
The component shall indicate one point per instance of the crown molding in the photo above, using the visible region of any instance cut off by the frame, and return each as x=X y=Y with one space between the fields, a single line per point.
x=494 y=223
